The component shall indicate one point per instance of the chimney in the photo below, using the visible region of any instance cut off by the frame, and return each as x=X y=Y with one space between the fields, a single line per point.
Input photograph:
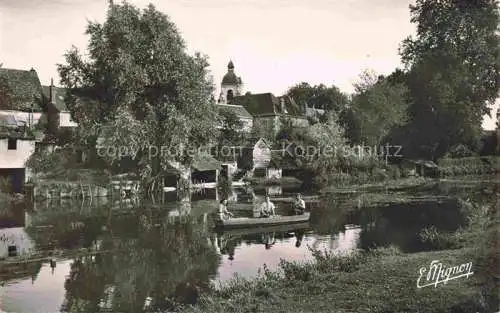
x=282 y=102
x=52 y=91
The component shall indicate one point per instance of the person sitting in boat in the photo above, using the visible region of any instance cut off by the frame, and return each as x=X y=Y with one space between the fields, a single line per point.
x=299 y=207
x=267 y=208
x=224 y=214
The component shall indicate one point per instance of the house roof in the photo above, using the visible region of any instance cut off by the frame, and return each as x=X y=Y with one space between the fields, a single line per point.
x=15 y=135
x=258 y=104
x=238 y=110
x=205 y=162
x=60 y=95
x=251 y=142
x=25 y=88
x=267 y=104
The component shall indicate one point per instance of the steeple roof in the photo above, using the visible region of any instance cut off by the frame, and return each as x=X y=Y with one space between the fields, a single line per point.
x=230 y=78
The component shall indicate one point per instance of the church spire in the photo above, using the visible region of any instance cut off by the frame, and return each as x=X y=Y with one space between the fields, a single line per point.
x=230 y=65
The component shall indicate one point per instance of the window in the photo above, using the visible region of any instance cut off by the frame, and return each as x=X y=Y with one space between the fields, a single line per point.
x=12 y=250
x=12 y=144
x=230 y=96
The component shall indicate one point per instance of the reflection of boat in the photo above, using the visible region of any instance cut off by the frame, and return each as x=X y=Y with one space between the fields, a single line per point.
x=351 y=226
x=242 y=231
x=292 y=199
x=242 y=222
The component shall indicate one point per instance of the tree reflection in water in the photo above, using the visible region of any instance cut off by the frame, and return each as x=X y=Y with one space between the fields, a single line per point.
x=157 y=265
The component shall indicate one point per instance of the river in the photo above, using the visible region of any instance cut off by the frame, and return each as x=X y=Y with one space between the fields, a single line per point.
x=120 y=255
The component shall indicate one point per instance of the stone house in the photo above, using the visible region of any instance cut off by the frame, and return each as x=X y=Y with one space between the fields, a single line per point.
x=241 y=113
x=15 y=150
x=269 y=112
x=205 y=171
x=263 y=112
x=255 y=157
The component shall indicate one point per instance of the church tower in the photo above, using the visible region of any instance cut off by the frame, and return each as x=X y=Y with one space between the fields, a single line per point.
x=231 y=85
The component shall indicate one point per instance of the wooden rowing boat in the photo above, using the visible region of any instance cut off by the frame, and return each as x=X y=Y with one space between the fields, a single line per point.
x=242 y=222
x=247 y=231
x=249 y=207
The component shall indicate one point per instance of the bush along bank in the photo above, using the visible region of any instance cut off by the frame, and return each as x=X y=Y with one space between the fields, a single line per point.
x=379 y=280
x=487 y=165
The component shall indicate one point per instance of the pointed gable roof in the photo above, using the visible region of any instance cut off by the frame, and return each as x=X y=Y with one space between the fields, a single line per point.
x=238 y=110
x=258 y=104
x=25 y=88
x=250 y=143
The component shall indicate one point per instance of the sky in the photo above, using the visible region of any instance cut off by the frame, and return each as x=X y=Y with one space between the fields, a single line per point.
x=273 y=44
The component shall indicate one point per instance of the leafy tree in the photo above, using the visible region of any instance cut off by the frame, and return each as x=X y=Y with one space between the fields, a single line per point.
x=351 y=125
x=328 y=137
x=453 y=66
x=320 y=96
x=231 y=128
x=138 y=74
x=376 y=108
x=265 y=128
x=316 y=149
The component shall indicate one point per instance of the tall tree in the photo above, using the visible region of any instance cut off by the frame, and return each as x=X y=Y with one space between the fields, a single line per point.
x=231 y=133
x=319 y=96
x=377 y=107
x=140 y=82
x=453 y=64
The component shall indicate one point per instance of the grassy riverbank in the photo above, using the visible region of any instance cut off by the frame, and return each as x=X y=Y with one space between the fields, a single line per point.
x=283 y=181
x=382 y=280
x=389 y=185
x=487 y=165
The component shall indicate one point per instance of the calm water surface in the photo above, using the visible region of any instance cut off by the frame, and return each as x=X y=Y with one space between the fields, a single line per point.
x=144 y=253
